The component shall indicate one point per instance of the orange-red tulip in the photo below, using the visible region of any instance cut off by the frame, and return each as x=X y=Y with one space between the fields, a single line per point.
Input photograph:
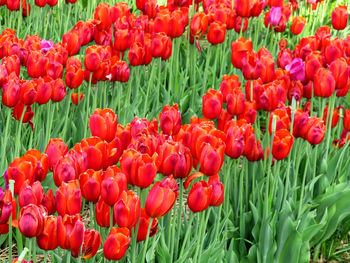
x=127 y=209
x=116 y=243
x=162 y=197
x=48 y=239
x=68 y=198
x=340 y=16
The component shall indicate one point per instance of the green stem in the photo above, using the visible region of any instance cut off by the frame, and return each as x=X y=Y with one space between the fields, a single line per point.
x=188 y=231
x=146 y=242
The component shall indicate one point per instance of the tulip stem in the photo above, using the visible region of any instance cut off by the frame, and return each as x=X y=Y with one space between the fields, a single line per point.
x=188 y=231
x=146 y=242
x=92 y=223
x=4 y=144
x=179 y=218
x=34 y=250
x=199 y=235
x=329 y=123
x=110 y=219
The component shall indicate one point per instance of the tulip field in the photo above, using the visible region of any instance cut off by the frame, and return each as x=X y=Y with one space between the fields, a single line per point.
x=175 y=131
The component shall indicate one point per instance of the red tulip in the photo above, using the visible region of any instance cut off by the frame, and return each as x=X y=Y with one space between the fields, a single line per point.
x=251 y=66
x=103 y=123
x=127 y=209
x=144 y=224
x=175 y=159
x=229 y=84
x=112 y=186
x=36 y=64
x=170 y=120
x=31 y=220
x=76 y=98
x=70 y=232
x=140 y=169
x=335 y=116
x=324 y=83
x=239 y=50
x=48 y=239
x=200 y=196
x=298 y=25
x=102 y=213
x=282 y=144
x=316 y=130
x=346 y=120
x=340 y=17
x=90 y=185
x=217 y=197
x=55 y=149
x=91 y=243
x=11 y=91
x=58 y=90
x=74 y=73
x=243 y=8
x=49 y=202
x=162 y=197
x=116 y=243
x=68 y=198
x=216 y=33
x=212 y=104
x=103 y=15
x=31 y=194
x=234 y=142
x=8 y=206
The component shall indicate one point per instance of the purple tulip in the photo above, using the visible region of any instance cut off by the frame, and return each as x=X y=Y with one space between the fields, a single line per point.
x=296 y=69
x=275 y=15
x=46 y=45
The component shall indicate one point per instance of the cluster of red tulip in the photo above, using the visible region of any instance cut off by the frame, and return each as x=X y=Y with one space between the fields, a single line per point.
x=15 y=5
x=318 y=66
x=147 y=36
x=90 y=170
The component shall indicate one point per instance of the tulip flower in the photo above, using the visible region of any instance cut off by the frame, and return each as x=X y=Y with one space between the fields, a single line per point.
x=162 y=197
x=316 y=130
x=90 y=185
x=127 y=209
x=49 y=202
x=324 y=83
x=92 y=242
x=340 y=16
x=140 y=169
x=102 y=213
x=7 y=206
x=200 y=196
x=335 y=116
x=170 y=120
x=116 y=243
x=48 y=239
x=31 y=194
x=175 y=159
x=212 y=104
x=234 y=142
x=239 y=50
x=216 y=33
x=113 y=184
x=70 y=232
x=298 y=25
x=31 y=220
x=346 y=120
x=68 y=198
x=144 y=224
x=229 y=84
x=217 y=197
x=282 y=144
